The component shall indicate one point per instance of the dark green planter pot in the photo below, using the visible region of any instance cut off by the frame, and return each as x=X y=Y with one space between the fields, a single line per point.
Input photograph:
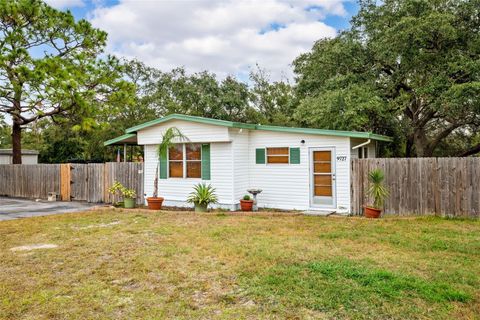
x=200 y=207
x=129 y=203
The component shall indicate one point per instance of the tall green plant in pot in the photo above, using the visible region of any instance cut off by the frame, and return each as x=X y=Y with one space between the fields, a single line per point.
x=377 y=191
x=203 y=194
x=170 y=136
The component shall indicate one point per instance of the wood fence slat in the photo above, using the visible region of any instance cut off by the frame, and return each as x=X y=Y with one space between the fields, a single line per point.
x=81 y=182
x=421 y=186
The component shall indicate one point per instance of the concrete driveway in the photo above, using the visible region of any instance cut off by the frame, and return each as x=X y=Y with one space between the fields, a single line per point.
x=12 y=208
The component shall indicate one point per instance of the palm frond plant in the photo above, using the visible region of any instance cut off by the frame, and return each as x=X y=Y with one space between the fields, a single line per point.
x=169 y=138
x=202 y=195
x=377 y=191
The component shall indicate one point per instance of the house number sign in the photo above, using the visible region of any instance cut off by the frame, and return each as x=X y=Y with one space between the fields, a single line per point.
x=342 y=158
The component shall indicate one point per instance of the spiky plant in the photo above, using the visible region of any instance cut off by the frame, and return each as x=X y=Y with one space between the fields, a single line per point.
x=168 y=138
x=376 y=189
x=203 y=194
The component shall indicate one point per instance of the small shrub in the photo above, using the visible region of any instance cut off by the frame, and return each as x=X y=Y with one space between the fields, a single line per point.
x=203 y=194
x=376 y=188
x=247 y=197
x=119 y=189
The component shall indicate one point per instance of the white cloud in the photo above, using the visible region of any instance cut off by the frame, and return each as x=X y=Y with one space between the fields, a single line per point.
x=225 y=37
x=62 y=4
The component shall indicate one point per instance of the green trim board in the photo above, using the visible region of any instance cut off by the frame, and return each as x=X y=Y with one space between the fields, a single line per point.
x=294 y=155
x=120 y=140
x=205 y=161
x=231 y=124
x=176 y=116
x=260 y=156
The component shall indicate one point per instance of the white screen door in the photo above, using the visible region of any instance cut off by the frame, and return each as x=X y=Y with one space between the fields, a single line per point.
x=322 y=177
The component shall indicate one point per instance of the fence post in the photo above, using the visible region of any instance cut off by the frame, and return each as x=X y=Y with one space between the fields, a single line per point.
x=65 y=182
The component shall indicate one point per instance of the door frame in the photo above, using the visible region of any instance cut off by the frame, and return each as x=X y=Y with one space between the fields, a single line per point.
x=334 y=177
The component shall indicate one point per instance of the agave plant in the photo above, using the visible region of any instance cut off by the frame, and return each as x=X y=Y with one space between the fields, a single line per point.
x=203 y=194
x=376 y=188
x=168 y=138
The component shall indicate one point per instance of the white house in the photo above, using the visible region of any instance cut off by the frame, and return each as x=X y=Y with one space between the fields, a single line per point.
x=28 y=156
x=297 y=168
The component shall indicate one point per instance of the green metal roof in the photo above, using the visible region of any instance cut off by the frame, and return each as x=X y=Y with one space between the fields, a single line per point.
x=231 y=124
x=176 y=116
x=120 y=140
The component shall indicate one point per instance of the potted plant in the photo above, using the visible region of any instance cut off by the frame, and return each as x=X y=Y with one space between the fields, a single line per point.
x=203 y=194
x=155 y=202
x=246 y=204
x=127 y=194
x=377 y=191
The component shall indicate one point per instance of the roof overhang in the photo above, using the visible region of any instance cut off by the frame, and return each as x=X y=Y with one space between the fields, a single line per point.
x=129 y=138
x=175 y=116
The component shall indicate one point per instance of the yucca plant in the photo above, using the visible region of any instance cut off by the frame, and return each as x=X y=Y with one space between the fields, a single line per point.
x=376 y=189
x=203 y=194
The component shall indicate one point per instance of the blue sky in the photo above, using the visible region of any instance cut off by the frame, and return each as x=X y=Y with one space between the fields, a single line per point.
x=224 y=37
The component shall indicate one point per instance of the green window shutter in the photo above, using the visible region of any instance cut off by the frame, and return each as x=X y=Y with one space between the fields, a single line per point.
x=295 y=155
x=206 y=161
x=260 y=156
x=163 y=165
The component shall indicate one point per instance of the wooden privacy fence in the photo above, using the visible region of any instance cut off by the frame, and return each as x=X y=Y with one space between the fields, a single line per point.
x=83 y=182
x=420 y=186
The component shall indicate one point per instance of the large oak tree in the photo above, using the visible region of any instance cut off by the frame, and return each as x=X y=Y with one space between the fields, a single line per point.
x=51 y=66
x=409 y=68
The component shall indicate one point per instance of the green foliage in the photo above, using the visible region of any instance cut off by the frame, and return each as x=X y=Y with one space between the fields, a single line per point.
x=171 y=136
x=120 y=189
x=203 y=194
x=246 y=197
x=376 y=189
x=408 y=68
x=51 y=67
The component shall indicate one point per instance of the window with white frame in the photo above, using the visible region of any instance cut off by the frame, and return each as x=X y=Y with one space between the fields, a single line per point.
x=185 y=160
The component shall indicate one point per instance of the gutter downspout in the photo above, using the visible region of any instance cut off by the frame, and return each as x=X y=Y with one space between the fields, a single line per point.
x=362 y=144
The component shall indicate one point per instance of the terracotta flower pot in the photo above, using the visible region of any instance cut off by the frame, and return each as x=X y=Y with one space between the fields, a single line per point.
x=155 y=203
x=371 y=212
x=246 y=205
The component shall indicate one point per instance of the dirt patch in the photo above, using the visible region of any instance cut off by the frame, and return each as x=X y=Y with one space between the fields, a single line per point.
x=34 y=247
x=100 y=225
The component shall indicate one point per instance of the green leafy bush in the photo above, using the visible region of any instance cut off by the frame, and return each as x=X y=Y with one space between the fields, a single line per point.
x=203 y=194
x=119 y=189
x=246 y=197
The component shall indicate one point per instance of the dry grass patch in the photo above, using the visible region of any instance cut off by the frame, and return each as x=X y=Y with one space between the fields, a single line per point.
x=113 y=264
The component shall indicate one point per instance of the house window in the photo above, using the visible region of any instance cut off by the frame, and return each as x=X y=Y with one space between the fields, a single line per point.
x=194 y=160
x=363 y=153
x=278 y=155
x=185 y=161
x=175 y=161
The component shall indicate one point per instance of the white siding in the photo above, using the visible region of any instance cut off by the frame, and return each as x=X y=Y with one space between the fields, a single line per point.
x=287 y=186
x=195 y=132
x=241 y=158
x=176 y=190
x=26 y=159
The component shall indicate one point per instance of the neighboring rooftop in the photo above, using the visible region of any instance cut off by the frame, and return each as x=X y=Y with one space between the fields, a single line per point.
x=130 y=132
x=24 y=151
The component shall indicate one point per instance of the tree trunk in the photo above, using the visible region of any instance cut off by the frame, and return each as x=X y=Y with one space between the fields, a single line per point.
x=17 y=143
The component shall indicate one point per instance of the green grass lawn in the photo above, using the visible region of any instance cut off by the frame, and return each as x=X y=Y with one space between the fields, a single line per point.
x=114 y=264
